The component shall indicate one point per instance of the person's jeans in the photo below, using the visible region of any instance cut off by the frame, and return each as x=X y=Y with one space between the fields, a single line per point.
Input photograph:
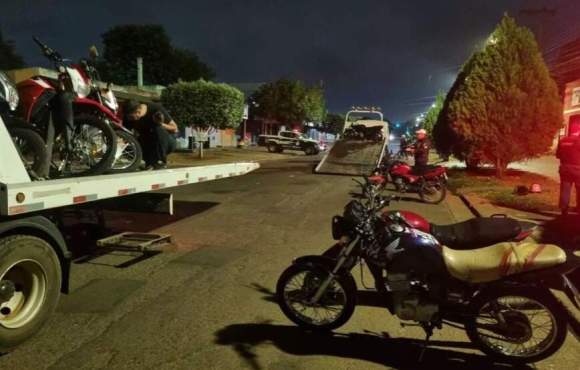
x=157 y=145
x=566 y=192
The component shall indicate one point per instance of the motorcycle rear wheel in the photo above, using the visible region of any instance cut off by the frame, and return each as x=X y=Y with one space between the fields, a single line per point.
x=94 y=144
x=519 y=329
x=32 y=150
x=299 y=282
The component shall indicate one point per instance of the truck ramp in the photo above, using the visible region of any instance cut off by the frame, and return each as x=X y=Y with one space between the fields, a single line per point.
x=352 y=157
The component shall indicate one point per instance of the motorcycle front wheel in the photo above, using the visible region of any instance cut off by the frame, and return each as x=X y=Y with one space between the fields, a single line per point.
x=433 y=192
x=300 y=282
x=517 y=325
x=129 y=153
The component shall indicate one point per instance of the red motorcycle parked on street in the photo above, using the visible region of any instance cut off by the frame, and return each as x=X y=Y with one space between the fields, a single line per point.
x=430 y=182
x=85 y=147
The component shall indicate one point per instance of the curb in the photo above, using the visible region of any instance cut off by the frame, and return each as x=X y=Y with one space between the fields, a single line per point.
x=469 y=205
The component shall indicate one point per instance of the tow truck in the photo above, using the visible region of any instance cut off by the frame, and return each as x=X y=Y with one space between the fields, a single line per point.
x=361 y=146
x=35 y=259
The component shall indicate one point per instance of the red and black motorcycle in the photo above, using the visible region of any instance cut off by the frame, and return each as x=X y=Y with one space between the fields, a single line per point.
x=430 y=182
x=28 y=142
x=86 y=146
x=129 y=152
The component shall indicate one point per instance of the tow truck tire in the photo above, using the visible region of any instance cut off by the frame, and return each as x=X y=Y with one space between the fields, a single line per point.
x=273 y=147
x=32 y=268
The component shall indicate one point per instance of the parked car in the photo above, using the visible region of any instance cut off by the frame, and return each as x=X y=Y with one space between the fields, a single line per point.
x=290 y=140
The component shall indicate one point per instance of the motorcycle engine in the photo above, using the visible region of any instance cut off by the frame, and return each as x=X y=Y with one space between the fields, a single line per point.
x=410 y=298
x=399 y=184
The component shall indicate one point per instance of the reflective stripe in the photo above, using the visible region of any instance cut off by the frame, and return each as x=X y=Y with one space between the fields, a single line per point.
x=127 y=191
x=14 y=210
x=84 y=198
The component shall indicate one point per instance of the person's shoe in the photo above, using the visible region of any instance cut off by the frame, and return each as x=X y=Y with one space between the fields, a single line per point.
x=159 y=166
x=564 y=212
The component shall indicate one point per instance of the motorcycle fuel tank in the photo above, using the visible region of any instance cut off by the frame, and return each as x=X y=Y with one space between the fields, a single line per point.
x=415 y=220
x=417 y=252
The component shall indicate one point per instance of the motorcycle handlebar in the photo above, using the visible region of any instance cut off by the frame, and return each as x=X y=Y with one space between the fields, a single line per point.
x=47 y=51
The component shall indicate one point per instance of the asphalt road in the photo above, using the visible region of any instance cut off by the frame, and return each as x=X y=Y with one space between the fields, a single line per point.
x=207 y=303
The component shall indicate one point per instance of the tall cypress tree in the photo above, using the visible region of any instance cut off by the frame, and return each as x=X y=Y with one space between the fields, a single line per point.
x=9 y=59
x=506 y=107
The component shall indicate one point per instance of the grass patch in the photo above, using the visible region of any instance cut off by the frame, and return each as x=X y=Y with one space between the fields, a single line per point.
x=500 y=192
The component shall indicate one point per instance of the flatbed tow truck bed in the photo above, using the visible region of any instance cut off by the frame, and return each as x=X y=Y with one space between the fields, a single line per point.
x=34 y=256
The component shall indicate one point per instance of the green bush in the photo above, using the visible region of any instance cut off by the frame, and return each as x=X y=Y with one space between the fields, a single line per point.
x=204 y=104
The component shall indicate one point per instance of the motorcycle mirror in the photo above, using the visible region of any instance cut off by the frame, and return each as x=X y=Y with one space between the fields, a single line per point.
x=93 y=52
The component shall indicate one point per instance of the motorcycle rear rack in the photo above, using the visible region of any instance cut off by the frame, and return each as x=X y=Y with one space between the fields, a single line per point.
x=131 y=241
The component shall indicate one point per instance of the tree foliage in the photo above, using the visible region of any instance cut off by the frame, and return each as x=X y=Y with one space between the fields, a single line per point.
x=333 y=123
x=433 y=113
x=290 y=101
x=204 y=104
x=163 y=64
x=504 y=106
x=9 y=59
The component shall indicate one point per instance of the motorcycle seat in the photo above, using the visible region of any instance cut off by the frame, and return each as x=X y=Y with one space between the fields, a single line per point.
x=477 y=232
x=500 y=260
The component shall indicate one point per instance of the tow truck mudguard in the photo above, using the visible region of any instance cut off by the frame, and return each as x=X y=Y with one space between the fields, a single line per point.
x=43 y=228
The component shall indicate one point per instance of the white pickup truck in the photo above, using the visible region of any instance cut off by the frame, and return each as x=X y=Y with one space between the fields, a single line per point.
x=290 y=140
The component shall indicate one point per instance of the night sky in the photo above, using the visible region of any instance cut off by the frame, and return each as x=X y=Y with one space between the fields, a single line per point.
x=389 y=53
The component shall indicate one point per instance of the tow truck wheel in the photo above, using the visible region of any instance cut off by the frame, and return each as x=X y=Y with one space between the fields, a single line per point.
x=30 y=281
x=273 y=147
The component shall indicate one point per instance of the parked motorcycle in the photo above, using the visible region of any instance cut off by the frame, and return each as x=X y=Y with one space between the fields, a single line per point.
x=30 y=145
x=85 y=147
x=430 y=182
x=500 y=295
x=129 y=152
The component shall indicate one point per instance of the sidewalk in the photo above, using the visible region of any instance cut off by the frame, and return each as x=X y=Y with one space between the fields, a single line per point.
x=545 y=166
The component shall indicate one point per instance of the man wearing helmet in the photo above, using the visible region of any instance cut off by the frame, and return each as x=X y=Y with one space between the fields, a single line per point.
x=569 y=154
x=422 y=147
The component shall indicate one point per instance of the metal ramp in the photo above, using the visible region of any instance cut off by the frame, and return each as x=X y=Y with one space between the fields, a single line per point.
x=357 y=155
x=352 y=157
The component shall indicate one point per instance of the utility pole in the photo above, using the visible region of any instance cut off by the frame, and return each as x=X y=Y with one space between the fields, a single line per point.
x=542 y=14
x=140 y=72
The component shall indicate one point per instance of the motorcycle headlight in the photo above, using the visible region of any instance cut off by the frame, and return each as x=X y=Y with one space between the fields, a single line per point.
x=11 y=94
x=13 y=99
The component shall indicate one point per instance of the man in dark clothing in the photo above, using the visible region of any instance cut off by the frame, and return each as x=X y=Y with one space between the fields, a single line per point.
x=155 y=130
x=569 y=154
x=422 y=147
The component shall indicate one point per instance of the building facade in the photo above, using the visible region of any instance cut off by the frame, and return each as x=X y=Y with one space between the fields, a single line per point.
x=572 y=108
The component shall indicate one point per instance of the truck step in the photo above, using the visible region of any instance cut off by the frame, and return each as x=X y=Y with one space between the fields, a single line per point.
x=137 y=242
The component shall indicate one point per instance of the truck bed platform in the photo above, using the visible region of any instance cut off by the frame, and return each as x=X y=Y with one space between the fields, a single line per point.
x=35 y=196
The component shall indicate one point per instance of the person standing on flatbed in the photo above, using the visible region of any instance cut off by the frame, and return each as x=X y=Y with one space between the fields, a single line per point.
x=155 y=131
